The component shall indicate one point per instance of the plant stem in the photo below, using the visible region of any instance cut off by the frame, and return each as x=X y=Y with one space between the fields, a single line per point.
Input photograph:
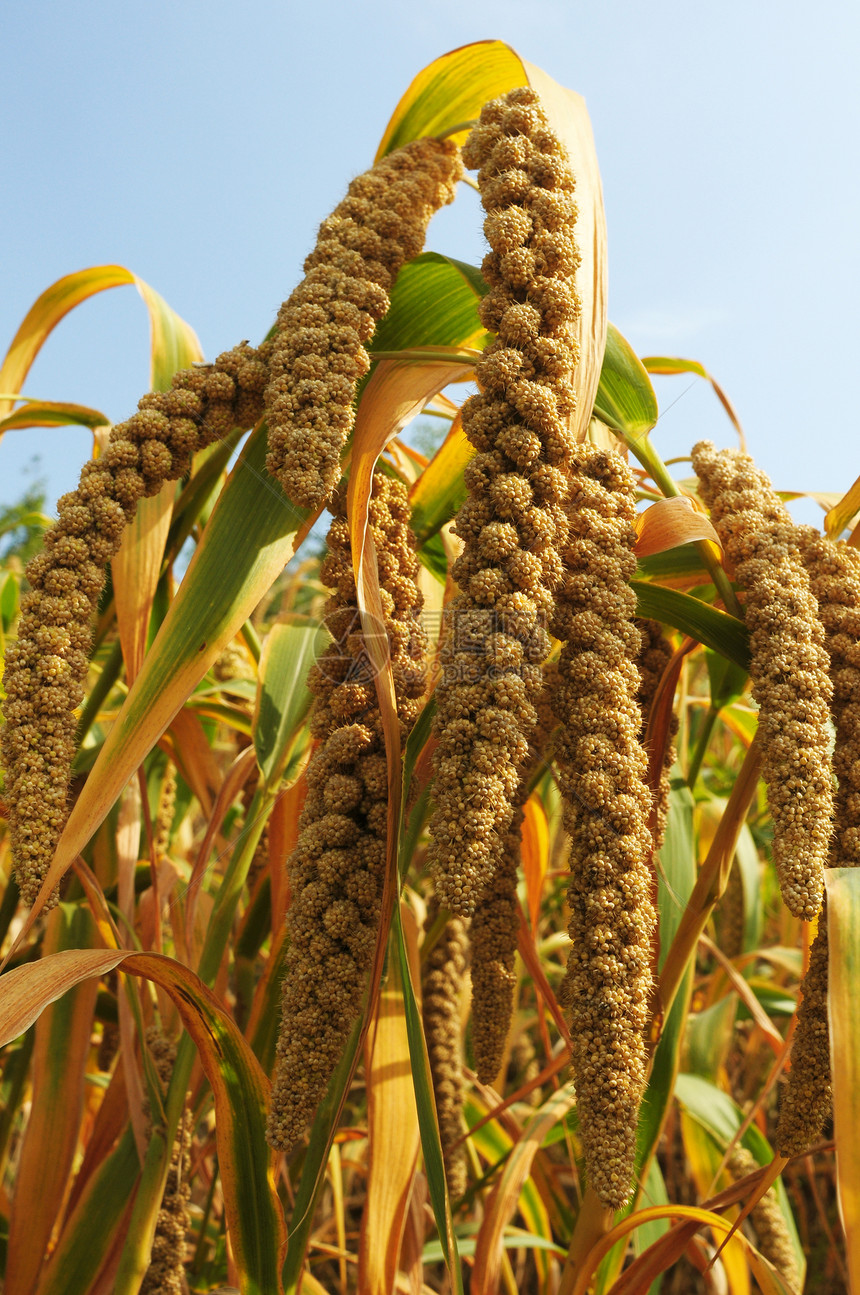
x=702 y=740
x=593 y=1222
x=711 y=882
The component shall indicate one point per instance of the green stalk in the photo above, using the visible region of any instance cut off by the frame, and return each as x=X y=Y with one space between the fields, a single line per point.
x=230 y=891
x=702 y=740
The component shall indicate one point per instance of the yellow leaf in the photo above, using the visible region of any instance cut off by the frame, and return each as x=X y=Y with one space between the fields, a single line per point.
x=569 y=118
x=765 y=1274
x=535 y=855
x=49 y=413
x=450 y=93
x=669 y=523
x=843 y=927
x=505 y=1196
x=392 y=1121
x=172 y=340
x=397 y=390
x=45 y=1157
x=842 y=513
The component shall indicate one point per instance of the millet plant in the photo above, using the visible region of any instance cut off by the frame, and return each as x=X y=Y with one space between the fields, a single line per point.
x=467 y=903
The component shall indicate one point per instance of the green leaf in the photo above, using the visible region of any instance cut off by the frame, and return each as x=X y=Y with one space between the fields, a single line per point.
x=452 y=90
x=716 y=629
x=433 y=303
x=748 y=861
x=283 y=699
x=426 y=1105
x=708 y=1036
x=728 y=681
x=683 y=561
x=90 y=1232
x=625 y=398
x=715 y=1112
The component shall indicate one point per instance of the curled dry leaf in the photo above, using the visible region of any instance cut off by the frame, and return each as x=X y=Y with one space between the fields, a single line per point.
x=670 y=523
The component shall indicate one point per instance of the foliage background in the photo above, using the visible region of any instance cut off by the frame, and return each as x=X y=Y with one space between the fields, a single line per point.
x=201 y=144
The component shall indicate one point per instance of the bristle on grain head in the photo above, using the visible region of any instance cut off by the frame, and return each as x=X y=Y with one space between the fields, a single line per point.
x=512 y=523
x=46 y=667
x=834 y=574
x=602 y=769
x=336 y=871
x=319 y=351
x=788 y=667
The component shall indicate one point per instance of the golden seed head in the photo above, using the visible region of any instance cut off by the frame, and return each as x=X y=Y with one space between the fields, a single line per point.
x=788 y=668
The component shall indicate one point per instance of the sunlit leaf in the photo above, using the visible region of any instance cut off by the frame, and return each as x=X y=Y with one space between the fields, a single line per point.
x=625 y=399
x=51 y=413
x=843 y=929
x=707 y=624
x=451 y=91
x=440 y=490
x=448 y=94
x=283 y=699
x=434 y=302
x=172 y=339
x=392 y=1125
x=843 y=512
x=669 y=523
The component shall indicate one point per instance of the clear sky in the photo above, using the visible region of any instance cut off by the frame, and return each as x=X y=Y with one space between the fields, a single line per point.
x=201 y=143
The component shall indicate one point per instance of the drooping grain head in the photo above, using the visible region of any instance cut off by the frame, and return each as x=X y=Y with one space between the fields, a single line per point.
x=602 y=769
x=442 y=978
x=46 y=667
x=834 y=573
x=336 y=871
x=319 y=353
x=788 y=667
x=512 y=522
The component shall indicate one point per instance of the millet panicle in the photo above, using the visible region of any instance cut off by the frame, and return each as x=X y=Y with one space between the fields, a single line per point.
x=654 y=655
x=602 y=770
x=774 y=1239
x=834 y=573
x=165 y=1274
x=442 y=976
x=513 y=522
x=336 y=871
x=319 y=353
x=788 y=667
x=46 y=667
x=494 y=930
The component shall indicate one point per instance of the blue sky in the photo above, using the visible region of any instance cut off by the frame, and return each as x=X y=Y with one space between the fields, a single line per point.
x=201 y=143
